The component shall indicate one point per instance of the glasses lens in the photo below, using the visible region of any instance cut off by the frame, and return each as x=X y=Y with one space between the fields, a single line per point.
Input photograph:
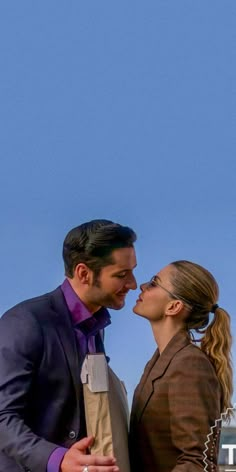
x=152 y=282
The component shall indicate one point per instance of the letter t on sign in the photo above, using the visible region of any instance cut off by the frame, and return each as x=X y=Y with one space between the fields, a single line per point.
x=231 y=448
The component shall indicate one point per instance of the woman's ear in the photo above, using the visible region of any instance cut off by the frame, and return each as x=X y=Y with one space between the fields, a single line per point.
x=174 y=307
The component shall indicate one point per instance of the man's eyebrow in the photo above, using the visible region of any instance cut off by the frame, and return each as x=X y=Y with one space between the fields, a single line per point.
x=123 y=270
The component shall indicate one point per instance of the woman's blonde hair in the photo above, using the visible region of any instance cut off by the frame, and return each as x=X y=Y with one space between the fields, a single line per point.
x=200 y=290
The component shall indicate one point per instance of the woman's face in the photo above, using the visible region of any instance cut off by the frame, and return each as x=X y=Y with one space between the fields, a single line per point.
x=155 y=296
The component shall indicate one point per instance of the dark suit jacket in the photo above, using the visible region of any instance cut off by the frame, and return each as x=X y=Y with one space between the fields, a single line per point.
x=39 y=383
x=175 y=405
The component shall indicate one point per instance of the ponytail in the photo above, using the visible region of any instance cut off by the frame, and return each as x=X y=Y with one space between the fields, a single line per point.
x=216 y=343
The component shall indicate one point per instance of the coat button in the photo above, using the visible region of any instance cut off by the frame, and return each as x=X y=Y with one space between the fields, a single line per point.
x=72 y=434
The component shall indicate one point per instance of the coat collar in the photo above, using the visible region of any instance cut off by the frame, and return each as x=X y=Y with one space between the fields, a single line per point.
x=178 y=342
x=155 y=369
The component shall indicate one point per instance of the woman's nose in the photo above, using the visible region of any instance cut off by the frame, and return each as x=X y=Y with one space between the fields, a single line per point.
x=143 y=286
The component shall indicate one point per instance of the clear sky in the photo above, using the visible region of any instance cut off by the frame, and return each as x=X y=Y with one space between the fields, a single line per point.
x=125 y=111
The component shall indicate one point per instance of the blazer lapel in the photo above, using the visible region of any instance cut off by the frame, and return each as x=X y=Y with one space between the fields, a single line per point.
x=64 y=327
x=144 y=389
x=156 y=369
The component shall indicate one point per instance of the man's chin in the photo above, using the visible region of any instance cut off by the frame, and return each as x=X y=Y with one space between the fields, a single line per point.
x=118 y=304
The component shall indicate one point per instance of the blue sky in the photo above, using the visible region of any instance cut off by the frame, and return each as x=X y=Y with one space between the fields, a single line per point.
x=119 y=110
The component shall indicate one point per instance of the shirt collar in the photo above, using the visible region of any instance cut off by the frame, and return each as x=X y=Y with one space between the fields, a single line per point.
x=81 y=317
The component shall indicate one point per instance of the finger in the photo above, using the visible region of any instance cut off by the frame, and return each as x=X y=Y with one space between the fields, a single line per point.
x=97 y=461
x=92 y=468
x=83 y=444
x=75 y=461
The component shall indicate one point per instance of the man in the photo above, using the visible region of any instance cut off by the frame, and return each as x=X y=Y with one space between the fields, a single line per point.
x=43 y=342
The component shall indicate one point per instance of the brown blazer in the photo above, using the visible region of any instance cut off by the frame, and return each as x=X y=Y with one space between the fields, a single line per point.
x=175 y=404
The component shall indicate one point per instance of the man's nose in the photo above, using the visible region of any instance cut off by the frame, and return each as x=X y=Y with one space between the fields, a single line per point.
x=131 y=283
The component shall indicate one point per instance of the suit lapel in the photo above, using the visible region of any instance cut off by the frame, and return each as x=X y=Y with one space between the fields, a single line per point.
x=155 y=369
x=145 y=388
x=64 y=328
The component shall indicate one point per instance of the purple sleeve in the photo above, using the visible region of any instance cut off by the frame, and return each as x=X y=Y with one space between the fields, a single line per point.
x=55 y=459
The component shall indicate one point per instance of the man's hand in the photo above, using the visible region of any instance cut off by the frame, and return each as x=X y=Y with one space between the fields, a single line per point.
x=76 y=458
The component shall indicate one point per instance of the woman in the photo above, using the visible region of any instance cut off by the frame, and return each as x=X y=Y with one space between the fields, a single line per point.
x=184 y=389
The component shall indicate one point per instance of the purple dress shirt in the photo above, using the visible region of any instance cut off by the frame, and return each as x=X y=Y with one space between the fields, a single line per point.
x=86 y=326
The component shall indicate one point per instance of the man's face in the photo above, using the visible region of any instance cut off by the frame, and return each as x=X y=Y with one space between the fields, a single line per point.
x=115 y=280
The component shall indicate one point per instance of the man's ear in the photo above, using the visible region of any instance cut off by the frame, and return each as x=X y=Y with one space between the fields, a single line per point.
x=82 y=273
x=174 y=307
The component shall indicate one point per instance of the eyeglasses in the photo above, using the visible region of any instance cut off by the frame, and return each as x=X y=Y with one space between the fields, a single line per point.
x=154 y=283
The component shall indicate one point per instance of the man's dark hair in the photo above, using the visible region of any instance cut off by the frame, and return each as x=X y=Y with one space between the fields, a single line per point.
x=93 y=243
